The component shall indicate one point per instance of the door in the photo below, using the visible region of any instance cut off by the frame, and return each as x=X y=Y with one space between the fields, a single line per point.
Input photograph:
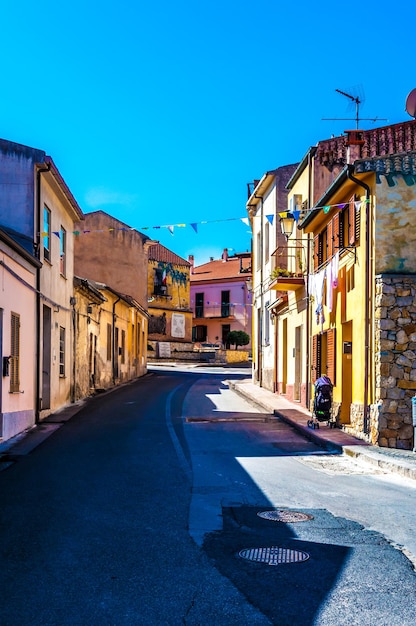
x=298 y=364
x=346 y=390
x=284 y=355
x=46 y=358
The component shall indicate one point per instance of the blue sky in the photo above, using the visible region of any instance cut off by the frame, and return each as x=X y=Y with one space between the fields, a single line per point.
x=161 y=113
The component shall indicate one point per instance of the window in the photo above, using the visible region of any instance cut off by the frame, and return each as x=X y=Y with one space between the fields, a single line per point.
x=323 y=355
x=15 y=353
x=199 y=305
x=225 y=303
x=123 y=345
x=109 y=338
x=267 y=325
x=61 y=351
x=258 y=251
x=159 y=282
x=266 y=241
x=62 y=251
x=225 y=331
x=46 y=233
x=199 y=333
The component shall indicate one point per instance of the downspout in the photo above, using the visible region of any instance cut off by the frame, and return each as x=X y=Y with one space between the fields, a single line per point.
x=260 y=353
x=368 y=277
x=113 y=332
x=309 y=308
x=38 y=312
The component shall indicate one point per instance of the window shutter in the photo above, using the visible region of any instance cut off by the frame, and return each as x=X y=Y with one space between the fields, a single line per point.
x=357 y=214
x=336 y=233
x=330 y=358
x=316 y=357
x=14 y=353
x=351 y=223
x=330 y=239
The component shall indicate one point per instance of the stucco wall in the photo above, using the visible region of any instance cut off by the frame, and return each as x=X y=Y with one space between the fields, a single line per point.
x=18 y=409
x=111 y=253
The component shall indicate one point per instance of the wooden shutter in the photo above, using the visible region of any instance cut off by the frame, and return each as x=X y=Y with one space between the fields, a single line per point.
x=14 y=353
x=315 y=252
x=351 y=222
x=330 y=239
x=316 y=357
x=330 y=357
x=336 y=233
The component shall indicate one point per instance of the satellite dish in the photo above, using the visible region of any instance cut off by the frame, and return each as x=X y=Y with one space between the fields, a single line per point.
x=411 y=103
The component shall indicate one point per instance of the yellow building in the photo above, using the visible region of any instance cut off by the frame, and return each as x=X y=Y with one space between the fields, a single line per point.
x=169 y=306
x=364 y=316
x=111 y=337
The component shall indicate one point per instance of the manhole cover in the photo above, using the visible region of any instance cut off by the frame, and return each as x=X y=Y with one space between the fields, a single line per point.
x=273 y=555
x=285 y=516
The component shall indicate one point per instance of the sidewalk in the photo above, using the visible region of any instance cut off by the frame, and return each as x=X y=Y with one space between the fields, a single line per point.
x=402 y=462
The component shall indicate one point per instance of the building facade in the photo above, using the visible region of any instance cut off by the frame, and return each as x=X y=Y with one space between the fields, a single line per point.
x=221 y=299
x=37 y=204
x=169 y=302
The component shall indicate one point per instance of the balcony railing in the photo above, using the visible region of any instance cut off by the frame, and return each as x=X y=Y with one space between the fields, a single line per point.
x=215 y=310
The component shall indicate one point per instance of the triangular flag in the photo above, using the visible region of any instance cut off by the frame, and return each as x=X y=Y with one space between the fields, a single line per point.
x=357 y=205
x=195 y=227
x=245 y=221
x=55 y=232
x=283 y=214
x=296 y=214
x=171 y=229
x=270 y=218
x=327 y=208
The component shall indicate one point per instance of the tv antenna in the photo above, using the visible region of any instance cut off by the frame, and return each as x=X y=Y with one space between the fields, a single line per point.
x=357 y=117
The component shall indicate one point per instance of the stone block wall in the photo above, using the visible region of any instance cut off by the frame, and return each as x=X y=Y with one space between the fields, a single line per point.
x=395 y=361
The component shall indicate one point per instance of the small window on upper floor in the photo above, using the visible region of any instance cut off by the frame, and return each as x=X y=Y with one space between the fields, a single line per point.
x=62 y=251
x=46 y=233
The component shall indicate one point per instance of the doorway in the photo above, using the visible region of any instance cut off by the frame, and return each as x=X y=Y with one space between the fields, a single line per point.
x=298 y=364
x=46 y=357
x=346 y=389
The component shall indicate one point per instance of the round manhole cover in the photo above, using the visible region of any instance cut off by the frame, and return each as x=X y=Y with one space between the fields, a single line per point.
x=285 y=516
x=273 y=555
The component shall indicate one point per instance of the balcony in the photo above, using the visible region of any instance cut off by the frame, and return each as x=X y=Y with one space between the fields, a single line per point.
x=220 y=311
x=284 y=280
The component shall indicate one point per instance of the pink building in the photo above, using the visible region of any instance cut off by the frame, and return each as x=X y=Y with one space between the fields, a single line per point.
x=221 y=298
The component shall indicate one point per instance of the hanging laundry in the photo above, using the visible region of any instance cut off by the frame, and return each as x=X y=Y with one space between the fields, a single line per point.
x=335 y=269
x=316 y=289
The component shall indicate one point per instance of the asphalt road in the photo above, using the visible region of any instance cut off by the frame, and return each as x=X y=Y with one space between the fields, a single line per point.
x=136 y=509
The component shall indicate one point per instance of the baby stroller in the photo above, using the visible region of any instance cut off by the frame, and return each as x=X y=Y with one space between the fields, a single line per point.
x=322 y=403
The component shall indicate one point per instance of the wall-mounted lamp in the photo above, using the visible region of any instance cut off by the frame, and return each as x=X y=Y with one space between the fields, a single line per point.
x=286 y=224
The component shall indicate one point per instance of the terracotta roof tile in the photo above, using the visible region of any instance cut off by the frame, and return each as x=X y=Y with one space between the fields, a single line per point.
x=158 y=252
x=220 y=270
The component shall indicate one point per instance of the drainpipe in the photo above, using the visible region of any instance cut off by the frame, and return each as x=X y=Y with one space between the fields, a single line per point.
x=368 y=278
x=38 y=312
x=114 y=339
x=260 y=333
x=309 y=308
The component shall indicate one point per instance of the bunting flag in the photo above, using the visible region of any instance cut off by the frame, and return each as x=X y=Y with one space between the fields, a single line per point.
x=245 y=220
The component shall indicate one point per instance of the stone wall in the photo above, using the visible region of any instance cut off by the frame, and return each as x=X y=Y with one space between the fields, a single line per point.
x=395 y=361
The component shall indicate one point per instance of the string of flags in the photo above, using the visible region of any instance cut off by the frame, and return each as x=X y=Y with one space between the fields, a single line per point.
x=194 y=225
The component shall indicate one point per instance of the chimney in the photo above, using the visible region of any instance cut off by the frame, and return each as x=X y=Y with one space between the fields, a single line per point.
x=225 y=255
x=355 y=139
x=191 y=261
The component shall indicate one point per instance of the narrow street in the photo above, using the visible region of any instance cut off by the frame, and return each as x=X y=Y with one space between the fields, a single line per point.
x=136 y=510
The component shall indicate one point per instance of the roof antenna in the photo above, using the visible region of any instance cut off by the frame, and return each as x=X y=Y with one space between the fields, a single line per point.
x=357 y=118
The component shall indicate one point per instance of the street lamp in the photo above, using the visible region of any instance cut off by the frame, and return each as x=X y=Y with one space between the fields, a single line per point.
x=286 y=224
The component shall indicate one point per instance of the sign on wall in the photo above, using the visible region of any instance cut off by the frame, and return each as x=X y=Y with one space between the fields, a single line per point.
x=178 y=325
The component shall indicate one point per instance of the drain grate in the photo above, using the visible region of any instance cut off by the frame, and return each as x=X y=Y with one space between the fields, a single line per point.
x=273 y=555
x=285 y=516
